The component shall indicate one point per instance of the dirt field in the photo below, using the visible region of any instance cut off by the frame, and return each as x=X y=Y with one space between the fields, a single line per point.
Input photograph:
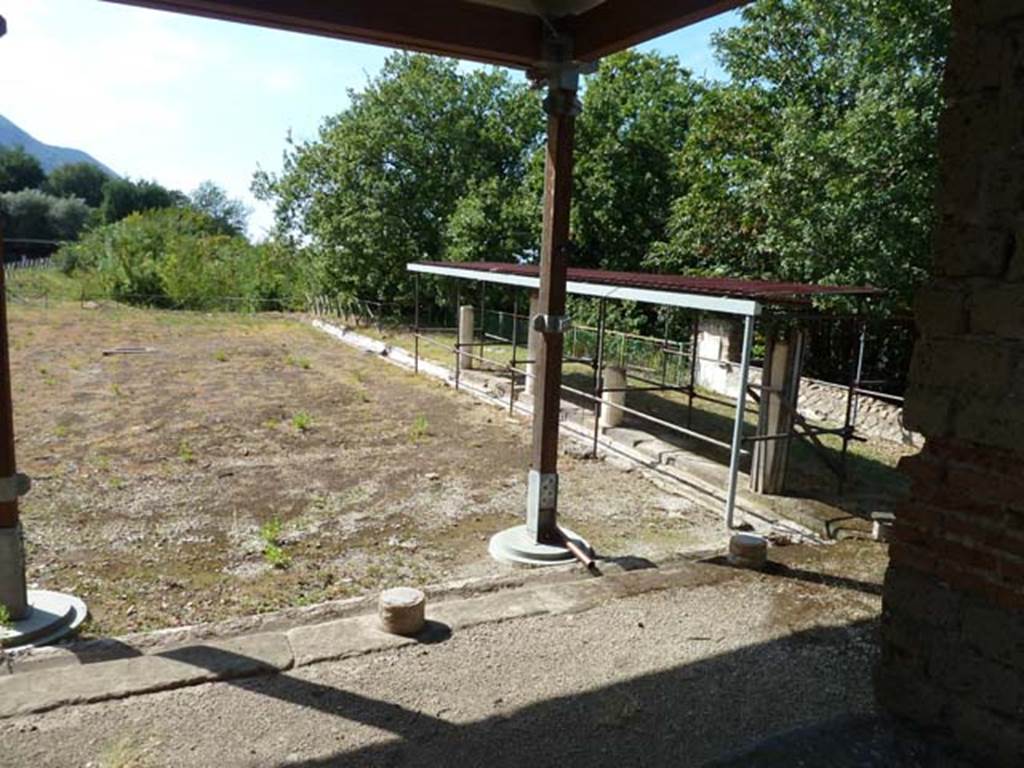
x=244 y=464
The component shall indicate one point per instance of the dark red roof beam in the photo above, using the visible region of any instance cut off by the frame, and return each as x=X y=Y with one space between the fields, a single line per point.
x=617 y=24
x=447 y=27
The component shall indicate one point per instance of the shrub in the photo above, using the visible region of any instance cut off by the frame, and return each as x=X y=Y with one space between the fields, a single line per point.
x=180 y=258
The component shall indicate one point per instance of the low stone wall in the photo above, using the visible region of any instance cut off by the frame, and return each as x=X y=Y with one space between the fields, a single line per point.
x=819 y=401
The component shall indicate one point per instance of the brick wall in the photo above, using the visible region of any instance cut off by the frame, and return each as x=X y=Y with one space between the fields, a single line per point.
x=953 y=632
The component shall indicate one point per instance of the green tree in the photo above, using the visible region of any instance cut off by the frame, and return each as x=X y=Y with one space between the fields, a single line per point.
x=82 y=180
x=19 y=170
x=383 y=181
x=213 y=200
x=122 y=197
x=33 y=214
x=635 y=118
x=818 y=161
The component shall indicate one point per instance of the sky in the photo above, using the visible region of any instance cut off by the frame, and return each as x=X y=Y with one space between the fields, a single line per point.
x=179 y=99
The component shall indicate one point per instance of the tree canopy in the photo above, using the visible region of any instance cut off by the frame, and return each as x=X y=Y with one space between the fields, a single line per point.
x=122 y=197
x=814 y=161
x=230 y=214
x=82 y=180
x=19 y=170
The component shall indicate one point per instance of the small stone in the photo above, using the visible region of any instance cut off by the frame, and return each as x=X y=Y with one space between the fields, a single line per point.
x=402 y=610
x=432 y=476
x=748 y=550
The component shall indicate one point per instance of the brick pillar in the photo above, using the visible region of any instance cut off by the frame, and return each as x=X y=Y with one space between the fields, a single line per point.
x=953 y=618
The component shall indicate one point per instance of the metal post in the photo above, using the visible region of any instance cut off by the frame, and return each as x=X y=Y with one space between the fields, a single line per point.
x=737 y=428
x=851 y=396
x=512 y=367
x=483 y=324
x=598 y=365
x=416 y=323
x=693 y=369
x=664 y=354
x=458 y=348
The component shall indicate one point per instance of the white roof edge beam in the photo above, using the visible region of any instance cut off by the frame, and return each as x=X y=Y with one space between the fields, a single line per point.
x=708 y=303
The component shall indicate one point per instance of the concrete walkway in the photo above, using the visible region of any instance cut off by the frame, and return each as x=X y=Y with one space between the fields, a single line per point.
x=678 y=666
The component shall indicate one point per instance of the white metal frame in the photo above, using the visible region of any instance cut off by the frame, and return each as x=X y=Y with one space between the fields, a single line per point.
x=748 y=309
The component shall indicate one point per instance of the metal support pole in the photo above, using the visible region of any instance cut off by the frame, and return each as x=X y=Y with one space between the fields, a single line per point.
x=851 y=395
x=483 y=323
x=416 y=323
x=598 y=365
x=458 y=347
x=693 y=369
x=664 y=354
x=515 y=341
x=737 y=428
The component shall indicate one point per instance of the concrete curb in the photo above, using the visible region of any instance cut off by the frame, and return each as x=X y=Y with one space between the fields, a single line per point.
x=273 y=652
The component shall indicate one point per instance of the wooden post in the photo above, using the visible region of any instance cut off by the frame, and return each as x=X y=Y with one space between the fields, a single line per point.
x=561 y=106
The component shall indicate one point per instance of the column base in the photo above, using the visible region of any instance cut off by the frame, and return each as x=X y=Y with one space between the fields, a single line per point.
x=51 y=616
x=519 y=546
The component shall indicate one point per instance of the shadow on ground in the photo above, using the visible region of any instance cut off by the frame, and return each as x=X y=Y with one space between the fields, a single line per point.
x=800 y=700
x=869 y=485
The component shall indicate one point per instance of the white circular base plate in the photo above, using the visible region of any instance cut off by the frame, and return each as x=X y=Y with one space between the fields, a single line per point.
x=517 y=545
x=53 y=616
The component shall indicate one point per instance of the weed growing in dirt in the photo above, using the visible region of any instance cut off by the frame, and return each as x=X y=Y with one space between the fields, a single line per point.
x=420 y=429
x=116 y=390
x=124 y=753
x=221 y=356
x=60 y=431
x=271 y=423
x=5 y=617
x=270 y=533
x=302 y=421
x=299 y=362
x=185 y=452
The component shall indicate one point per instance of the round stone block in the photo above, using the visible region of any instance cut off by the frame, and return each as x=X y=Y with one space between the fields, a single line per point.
x=748 y=550
x=518 y=546
x=402 y=610
x=52 y=615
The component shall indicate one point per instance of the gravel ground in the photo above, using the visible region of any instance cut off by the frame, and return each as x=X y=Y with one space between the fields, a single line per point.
x=162 y=479
x=678 y=678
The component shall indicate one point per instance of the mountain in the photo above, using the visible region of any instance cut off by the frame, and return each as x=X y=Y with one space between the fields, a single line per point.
x=48 y=155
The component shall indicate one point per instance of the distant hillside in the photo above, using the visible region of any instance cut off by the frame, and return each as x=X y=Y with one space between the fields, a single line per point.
x=49 y=156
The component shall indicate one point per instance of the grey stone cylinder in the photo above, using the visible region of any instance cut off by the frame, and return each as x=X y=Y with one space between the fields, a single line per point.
x=13 y=590
x=466 y=325
x=748 y=550
x=614 y=377
x=402 y=610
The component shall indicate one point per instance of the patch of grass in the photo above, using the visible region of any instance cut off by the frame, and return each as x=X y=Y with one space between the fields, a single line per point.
x=420 y=429
x=221 y=356
x=60 y=431
x=302 y=421
x=185 y=452
x=126 y=752
x=5 y=617
x=273 y=552
x=299 y=362
x=271 y=423
x=116 y=389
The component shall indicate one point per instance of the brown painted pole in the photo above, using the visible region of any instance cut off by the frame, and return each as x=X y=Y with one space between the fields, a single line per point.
x=8 y=509
x=561 y=106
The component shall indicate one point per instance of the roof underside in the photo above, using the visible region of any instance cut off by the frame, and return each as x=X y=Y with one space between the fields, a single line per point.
x=723 y=294
x=505 y=32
